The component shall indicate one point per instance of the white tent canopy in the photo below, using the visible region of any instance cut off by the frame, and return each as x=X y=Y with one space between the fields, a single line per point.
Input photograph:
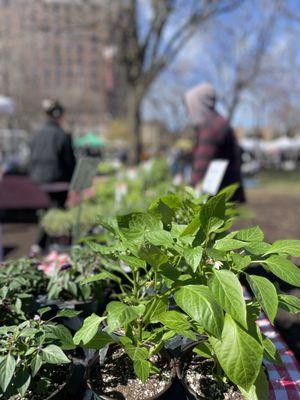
x=7 y=105
x=280 y=144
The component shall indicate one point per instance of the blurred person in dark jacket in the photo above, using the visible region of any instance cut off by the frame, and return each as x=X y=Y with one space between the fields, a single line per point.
x=52 y=156
x=215 y=138
x=52 y=160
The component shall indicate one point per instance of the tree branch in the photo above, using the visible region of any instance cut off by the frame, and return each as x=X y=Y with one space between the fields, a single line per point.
x=182 y=35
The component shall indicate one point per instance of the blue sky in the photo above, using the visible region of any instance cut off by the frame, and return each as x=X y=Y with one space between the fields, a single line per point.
x=220 y=47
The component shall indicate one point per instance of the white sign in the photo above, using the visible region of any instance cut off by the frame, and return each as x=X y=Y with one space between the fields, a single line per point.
x=214 y=176
x=85 y=172
x=121 y=191
x=7 y=105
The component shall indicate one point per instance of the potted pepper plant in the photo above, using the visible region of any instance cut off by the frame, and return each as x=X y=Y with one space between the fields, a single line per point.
x=185 y=272
x=20 y=284
x=33 y=363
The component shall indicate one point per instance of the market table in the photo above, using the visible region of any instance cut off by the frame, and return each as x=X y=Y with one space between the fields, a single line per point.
x=19 y=200
x=284 y=381
x=18 y=192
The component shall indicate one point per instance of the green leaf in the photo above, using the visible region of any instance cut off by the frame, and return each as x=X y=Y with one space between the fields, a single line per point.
x=173 y=201
x=253 y=312
x=99 y=248
x=284 y=269
x=140 y=309
x=160 y=238
x=270 y=352
x=155 y=307
x=228 y=292
x=144 y=222
x=254 y=234
x=62 y=334
x=167 y=336
x=153 y=255
x=120 y=314
x=29 y=332
x=193 y=257
x=240 y=262
x=229 y=191
x=142 y=369
x=100 y=340
x=199 y=304
x=133 y=262
x=174 y=320
x=100 y=277
x=177 y=229
x=290 y=247
x=188 y=334
x=165 y=211
x=31 y=350
x=228 y=244
x=192 y=227
x=22 y=381
x=36 y=364
x=3 y=292
x=4 y=330
x=7 y=369
x=289 y=303
x=259 y=390
x=43 y=310
x=72 y=288
x=238 y=353
x=53 y=354
x=204 y=349
x=18 y=306
x=212 y=213
x=108 y=223
x=54 y=291
x=88 y=330
x=257 y=248
x=216 y=255
x=265 y=293
x=170 y=273
x=134 y=352
x=67 y=313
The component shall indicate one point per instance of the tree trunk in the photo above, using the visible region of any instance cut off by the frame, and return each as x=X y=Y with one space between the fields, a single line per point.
x=134 y=122
x=232 y=109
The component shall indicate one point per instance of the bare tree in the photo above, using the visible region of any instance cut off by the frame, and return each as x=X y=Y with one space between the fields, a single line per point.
x=149 y=35
x=240 y=57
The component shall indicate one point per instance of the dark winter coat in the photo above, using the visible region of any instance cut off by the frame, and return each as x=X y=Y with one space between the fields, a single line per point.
x=216 y=140
x=52 y=156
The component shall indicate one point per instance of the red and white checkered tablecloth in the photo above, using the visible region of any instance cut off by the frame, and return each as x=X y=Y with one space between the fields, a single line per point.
x=285 y=379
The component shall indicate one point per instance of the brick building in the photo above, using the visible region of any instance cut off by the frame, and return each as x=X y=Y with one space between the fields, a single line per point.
x=60 y=48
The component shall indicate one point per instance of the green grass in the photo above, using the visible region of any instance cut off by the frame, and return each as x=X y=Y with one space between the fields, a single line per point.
x=285 y=180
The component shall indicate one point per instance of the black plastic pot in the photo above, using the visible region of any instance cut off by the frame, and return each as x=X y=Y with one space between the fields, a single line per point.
x=73 y=388
x=58 y=394
x=185 y=358
x=186 y=355
x=74 y=323
x=96 y=396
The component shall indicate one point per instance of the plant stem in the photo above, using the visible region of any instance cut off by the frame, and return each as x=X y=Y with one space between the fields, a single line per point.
x=155 y=281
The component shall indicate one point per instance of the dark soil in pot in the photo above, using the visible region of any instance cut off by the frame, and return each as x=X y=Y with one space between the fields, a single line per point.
x=197 y=377
x=115 y=379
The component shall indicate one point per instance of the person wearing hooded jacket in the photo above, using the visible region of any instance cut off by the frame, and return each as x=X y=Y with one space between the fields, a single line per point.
x=215 y=138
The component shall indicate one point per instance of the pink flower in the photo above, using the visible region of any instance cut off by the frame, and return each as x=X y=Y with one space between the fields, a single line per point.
x=54 y=262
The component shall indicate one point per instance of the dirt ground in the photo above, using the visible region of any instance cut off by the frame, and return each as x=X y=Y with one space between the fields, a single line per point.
x=276 y=211
x=17 y=239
